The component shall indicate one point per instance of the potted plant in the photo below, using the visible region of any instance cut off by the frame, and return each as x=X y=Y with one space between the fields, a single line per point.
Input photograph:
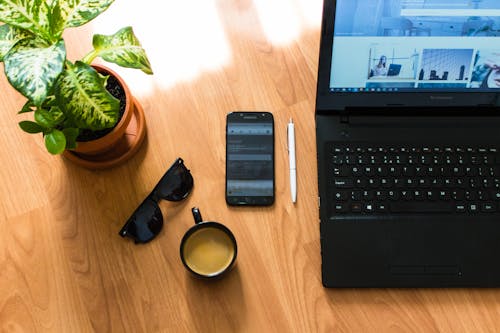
x=73 y=103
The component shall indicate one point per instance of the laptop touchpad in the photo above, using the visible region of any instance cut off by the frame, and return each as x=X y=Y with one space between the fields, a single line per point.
x=426 y=247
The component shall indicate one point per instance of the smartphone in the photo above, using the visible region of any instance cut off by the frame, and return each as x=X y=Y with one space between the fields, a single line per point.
x=250 y=158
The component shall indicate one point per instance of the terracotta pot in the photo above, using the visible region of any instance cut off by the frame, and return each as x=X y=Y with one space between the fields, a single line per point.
x=118 y=145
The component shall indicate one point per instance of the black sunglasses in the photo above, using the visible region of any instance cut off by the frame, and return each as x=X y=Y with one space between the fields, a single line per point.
x=147 y=220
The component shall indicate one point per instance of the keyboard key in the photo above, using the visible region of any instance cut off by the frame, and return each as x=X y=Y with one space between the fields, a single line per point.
x=369 y=171
x=344 y=183
x=444 y=195
x=369 y=207
x=356 y=207
x=368 y=195
x=488 y=207
x=418 y=195
x=460 y=208
x=431 y=195
x=356 y=195
x=381 y=195
x=337 y=159
x=386 y=182
x=407 y=195
x=341 y=196
x=356 y=171
x=393 y=195
x=342 y=171
x=458 y=195
x=473 y=208
x=395 y=171
x=420 y=207
x=408 y=171
x=360 y=182
x=381 y=207
x=340 y=207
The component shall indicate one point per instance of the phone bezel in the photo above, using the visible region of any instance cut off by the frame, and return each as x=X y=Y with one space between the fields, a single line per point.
x=251 y=116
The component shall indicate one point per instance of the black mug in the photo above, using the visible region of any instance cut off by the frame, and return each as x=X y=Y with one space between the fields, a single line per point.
x=208 y=249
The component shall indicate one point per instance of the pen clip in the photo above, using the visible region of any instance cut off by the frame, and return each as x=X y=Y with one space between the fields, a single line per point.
x=287 y=143
x=287 y=136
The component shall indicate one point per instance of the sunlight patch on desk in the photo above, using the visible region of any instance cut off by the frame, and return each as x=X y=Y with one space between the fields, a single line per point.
x=283 y=20
x=311 y=11
x=183 y=39
x=280 y=20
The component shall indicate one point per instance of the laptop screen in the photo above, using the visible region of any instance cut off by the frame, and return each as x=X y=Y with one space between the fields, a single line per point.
x=416 y=45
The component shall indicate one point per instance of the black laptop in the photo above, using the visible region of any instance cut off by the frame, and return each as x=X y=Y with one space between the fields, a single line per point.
x=409 y=169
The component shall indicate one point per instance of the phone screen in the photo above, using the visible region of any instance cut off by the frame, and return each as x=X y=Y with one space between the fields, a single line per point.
x=250 y=158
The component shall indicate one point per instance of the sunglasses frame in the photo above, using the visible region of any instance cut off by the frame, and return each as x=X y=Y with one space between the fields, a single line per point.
x=154 y=198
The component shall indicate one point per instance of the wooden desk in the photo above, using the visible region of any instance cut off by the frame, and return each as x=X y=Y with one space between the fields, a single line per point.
x=63 y=267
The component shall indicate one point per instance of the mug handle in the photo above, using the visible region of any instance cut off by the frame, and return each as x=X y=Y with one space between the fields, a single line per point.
x=196 y=215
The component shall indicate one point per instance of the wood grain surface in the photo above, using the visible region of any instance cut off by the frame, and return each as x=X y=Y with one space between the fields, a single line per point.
x=63 y=267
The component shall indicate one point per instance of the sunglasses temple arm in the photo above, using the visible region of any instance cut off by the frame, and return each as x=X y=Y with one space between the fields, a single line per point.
x=123 y=230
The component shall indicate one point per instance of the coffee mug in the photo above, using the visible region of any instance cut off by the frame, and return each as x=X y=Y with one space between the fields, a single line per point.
x=208 y=249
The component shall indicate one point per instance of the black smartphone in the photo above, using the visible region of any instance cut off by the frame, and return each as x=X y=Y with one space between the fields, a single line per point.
x=250 y=158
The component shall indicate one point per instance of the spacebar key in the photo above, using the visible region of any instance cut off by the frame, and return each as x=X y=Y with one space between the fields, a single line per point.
x=421 y=207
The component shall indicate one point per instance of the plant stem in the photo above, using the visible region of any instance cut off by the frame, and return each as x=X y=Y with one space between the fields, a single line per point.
x=90 y=57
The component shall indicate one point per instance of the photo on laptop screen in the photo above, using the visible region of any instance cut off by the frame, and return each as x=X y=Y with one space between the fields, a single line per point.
x=408 y=45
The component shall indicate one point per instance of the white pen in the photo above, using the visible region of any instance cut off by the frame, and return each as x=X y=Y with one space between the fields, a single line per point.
x=291 y=160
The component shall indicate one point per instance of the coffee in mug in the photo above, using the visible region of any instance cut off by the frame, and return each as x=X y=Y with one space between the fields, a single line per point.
x=208 y=249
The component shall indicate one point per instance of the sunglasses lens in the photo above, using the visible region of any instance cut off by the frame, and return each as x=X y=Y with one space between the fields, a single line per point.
x=145 y=223
x=177 y=182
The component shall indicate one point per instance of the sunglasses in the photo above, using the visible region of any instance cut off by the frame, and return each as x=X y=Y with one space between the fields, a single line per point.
x=147 y=220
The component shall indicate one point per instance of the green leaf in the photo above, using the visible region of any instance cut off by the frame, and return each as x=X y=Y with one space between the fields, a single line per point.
x=27 y=107
x=81 y=94
x=33 y=67
x=71 y=135
x=9 y=36
x=74 y=13
x=30 y=127
x=123 y=48
x=49 y=119
x=32 y=15
x=55 y=142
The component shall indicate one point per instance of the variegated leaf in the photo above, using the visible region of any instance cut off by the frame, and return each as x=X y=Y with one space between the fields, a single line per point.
x=9 y=36
x=74 y=13
x=32 y=15
x=123 y=48
x=33 y=67
x=82 y=95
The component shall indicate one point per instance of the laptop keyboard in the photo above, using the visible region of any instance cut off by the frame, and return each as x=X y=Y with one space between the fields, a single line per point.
x=381 y=179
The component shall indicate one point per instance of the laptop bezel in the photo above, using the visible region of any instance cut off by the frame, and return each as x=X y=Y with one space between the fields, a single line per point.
x=336 y=102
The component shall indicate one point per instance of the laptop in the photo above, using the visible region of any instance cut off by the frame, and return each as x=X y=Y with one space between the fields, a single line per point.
x=409 y=169
x=394 y=70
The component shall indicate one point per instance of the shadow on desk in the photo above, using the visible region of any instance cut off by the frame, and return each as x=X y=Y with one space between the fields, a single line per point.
x=411 y=299
x=216 y=306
